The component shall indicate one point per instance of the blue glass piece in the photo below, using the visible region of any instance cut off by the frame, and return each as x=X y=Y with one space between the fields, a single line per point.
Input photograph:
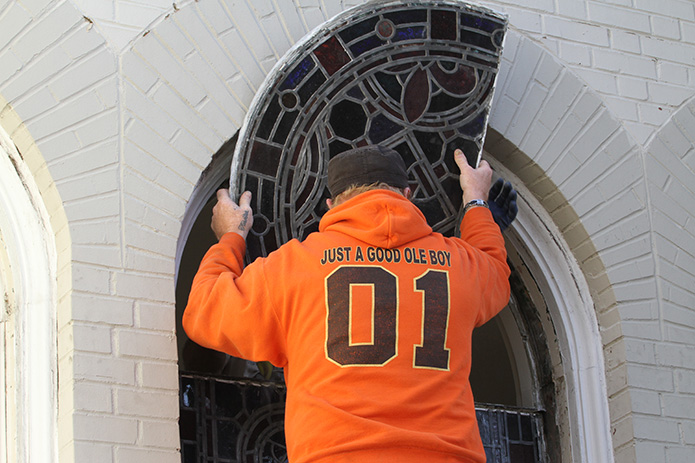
x=490 y=26
x=365 y=45
x=483 y=24
x=356 y=93
x=409 y=33
x=382 y=128
x=298 y=73
x=475 y=127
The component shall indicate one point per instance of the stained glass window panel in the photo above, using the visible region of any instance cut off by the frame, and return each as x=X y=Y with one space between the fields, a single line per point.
x=419 y=80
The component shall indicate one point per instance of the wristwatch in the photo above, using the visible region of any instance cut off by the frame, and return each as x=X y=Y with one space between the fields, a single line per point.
x=475 y=203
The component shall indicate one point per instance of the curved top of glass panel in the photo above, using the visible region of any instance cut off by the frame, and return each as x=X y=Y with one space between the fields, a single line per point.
x=417 y=77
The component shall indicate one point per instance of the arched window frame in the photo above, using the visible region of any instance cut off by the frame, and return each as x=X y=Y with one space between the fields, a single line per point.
x=566 y=294
x=29 y=249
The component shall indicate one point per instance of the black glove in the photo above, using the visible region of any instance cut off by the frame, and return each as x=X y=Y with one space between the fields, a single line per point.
x=502 y=202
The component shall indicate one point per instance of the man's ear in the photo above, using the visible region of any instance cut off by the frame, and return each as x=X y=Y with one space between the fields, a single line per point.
x=407 y=192
x=329 y=203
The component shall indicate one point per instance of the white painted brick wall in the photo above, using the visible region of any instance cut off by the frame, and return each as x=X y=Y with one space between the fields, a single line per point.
x=103 y=369
x=154 y=52
x=151 y=456
x=143 y=286
x=142 y=404
x=68 y=97
x=112 y=311
x=160 y=434
x=106 y=428
x=90 y=451
x=633 y=279
x=161 y=376
x=126 y=121
x=50 y=27
x=643 y=30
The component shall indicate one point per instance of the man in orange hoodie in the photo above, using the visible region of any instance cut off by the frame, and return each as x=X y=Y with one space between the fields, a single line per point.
x=371 y=317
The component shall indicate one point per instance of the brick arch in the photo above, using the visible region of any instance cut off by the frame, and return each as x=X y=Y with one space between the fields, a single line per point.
x=30 y=152
x=50 y=286
x=188 y=82
x=35 y=224
x=575 y=157
x=670 y=173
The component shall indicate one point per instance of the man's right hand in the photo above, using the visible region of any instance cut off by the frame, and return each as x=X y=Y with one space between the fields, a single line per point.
x=227 y=216
x=475 y=183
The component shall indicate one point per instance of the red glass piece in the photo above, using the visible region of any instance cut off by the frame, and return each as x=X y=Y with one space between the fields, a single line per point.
x=385 y=29
x=460 y=82
x=443 y=24
x=332 y=55
x=416 y=95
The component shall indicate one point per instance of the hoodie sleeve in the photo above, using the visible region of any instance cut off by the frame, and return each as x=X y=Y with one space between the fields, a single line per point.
x=479 y=230
x=229 y=308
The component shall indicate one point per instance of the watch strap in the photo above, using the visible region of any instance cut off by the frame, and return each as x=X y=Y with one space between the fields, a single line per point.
x=475 y=203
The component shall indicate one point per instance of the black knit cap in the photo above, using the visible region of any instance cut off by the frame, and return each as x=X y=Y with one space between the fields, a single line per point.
x=364 y=166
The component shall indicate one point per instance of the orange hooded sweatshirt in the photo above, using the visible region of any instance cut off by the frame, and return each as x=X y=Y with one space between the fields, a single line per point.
x=371 y=318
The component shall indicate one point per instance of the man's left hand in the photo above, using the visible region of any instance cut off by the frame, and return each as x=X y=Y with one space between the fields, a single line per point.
x=502 y=202
x=227 y=216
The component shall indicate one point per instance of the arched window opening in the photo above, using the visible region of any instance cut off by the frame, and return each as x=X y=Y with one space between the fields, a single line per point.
x=417 y=79
x=510 y=365
x=502 y=372
x=28 y=347
x=8 y=426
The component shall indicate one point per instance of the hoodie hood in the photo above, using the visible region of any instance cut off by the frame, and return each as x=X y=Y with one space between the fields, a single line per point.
x=379 y=218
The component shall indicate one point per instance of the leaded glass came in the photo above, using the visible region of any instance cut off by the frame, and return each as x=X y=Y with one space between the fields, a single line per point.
x=418 y=78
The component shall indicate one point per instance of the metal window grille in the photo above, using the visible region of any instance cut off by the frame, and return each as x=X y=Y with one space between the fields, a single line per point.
x=242 y=421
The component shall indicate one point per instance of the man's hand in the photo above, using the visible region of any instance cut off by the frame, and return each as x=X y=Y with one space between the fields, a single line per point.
x=227 y=216
x=503 y=203
x=475 y=183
